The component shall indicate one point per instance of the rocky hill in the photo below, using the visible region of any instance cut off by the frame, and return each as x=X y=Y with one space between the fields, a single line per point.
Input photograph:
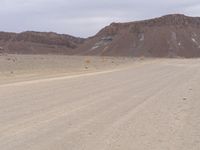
x=168 y=36
x=174 y=35
x=38 y=43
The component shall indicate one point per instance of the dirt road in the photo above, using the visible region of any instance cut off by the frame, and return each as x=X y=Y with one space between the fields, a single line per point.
x=152 y=106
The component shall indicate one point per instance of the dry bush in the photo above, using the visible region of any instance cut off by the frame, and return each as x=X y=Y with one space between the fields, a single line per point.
x=87 y=61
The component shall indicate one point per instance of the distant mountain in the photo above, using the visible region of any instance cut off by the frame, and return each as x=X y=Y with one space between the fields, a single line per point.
x=168 y=36
x=173 y=35
x=38 y=43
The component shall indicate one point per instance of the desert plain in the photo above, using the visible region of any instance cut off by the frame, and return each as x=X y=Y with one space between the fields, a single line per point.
x=52 y=102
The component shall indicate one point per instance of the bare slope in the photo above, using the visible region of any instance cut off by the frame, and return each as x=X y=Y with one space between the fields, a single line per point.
x=167 y=36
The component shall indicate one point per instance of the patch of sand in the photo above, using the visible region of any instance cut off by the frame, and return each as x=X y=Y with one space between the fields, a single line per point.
x=28 y=67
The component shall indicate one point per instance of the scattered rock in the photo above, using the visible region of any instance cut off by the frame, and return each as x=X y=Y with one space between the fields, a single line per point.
x=184 y=98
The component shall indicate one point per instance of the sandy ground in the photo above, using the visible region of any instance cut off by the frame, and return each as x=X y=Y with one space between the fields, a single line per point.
x=148 y=106
x=26 y=67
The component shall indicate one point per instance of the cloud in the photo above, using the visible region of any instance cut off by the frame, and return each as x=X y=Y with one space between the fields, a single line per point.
x=84 y=17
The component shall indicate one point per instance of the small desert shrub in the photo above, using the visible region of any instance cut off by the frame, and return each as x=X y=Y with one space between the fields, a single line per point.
x=87 y=61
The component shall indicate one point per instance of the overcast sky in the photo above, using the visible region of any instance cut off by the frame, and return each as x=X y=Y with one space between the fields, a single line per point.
x=84 y=17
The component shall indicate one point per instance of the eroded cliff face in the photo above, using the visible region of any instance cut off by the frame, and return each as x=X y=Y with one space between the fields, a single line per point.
x=38 y=43
x=168 y=36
